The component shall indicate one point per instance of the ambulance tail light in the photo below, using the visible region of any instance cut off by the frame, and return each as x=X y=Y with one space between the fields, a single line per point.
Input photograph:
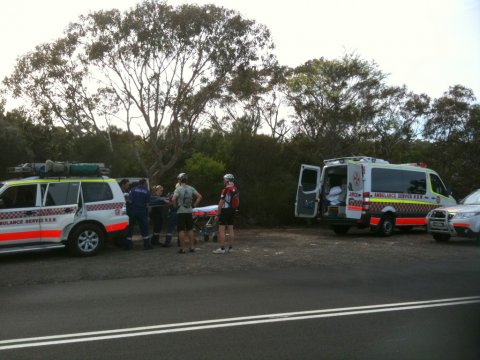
x=366 y=201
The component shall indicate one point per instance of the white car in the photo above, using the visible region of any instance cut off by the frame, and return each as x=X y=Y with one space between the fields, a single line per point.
x=78 y=213
x=461 y=220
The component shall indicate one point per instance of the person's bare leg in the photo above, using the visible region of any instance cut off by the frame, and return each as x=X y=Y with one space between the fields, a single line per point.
x=181 y=239
x=231 y=236
x=191 y=239
x=221 y=235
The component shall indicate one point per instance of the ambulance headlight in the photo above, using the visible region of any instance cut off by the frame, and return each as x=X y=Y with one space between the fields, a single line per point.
x=466 y=215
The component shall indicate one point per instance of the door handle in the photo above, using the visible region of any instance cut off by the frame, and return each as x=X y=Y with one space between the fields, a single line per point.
x=30 y=212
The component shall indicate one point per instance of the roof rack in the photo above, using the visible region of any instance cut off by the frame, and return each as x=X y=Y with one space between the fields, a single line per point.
x=366 y=159
x=55 y=169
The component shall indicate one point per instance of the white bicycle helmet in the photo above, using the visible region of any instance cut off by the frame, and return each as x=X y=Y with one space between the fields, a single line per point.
x=182 y=176
x=228 y=177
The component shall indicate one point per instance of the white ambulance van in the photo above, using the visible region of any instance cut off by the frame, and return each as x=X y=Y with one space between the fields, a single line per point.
x=363 y=191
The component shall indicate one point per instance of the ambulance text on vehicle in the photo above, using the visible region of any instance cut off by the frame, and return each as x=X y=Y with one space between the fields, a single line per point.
x=364 y=192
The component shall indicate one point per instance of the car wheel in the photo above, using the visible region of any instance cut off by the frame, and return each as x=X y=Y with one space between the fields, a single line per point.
x=85 y=240
x=386 y=226
x=441 y=237
x=340 y=229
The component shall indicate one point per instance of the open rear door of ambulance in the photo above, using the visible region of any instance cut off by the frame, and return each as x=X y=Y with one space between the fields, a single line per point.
x=354 y=190
x=306 y=204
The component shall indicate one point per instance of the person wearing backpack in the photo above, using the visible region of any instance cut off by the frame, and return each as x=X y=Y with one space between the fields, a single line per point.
x=228 y=204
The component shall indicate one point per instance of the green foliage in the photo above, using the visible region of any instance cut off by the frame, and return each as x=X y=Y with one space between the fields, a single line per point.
x=206 y=175
x=14 y=147
x=452 y=127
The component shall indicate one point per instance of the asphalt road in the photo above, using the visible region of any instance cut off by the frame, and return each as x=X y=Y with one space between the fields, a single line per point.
x=283 y=294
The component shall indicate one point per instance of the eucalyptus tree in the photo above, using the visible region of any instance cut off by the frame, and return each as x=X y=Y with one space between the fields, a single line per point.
x=335 y=100
x=397 y=125
x=154 y=69
x=254 y=102
x=452 y=128
x=449 y=115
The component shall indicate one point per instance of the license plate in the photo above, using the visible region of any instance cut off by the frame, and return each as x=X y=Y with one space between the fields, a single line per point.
x=438 y=225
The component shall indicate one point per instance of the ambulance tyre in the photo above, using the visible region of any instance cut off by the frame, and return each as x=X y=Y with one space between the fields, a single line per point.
x=85 y=240
x=386 y=226
x=340 y=229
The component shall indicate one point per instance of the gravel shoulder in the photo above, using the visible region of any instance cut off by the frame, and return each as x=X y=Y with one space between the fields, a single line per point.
x=255 y=249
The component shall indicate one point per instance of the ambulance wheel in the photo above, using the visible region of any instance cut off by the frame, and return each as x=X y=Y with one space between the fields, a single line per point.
x=441 y=237
x=386 y=226
x=340 y=229
x=85 y=240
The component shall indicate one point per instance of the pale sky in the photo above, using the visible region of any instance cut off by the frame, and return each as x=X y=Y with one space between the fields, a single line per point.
x=428 y=45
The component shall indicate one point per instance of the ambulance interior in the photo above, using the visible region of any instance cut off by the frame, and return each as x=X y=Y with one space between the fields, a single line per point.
x=333 y=193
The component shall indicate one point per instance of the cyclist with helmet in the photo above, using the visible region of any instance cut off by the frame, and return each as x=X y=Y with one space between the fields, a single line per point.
x=226 y=214
x=185 y=198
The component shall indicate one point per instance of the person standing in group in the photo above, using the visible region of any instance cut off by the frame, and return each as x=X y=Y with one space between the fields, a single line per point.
x=139 y=198
x=156 y=212
x=227 y=205
x=183 y=200
x=172 y=220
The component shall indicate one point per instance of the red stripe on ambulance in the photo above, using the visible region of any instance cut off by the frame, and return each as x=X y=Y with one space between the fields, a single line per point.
x=116 y=227
x=27 y=235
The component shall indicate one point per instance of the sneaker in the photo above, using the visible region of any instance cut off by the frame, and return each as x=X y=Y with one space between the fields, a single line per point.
x=219 y=251
x=230 y=250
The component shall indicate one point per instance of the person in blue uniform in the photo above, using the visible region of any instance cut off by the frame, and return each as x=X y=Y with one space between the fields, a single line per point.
x=139 y=198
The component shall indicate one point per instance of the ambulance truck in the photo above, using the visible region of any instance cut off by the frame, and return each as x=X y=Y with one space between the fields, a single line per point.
x=362 y=191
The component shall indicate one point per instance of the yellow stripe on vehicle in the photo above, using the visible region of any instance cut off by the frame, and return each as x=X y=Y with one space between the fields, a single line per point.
x=398 y=201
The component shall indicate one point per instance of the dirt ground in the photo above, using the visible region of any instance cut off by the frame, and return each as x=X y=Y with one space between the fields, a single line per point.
x=265 y=249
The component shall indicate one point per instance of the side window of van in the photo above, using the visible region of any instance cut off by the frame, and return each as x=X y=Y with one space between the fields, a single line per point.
x=96 y=191
x=437 y=185
x=62 y=194
x=22 y=196
x=398 y=181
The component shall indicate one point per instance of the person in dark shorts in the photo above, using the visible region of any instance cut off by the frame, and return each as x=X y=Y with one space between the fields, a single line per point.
x=184 y=199
x=157 y=201
x=172 y=220
x=226 y=214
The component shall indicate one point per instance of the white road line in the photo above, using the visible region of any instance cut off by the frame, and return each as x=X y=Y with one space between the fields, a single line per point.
x=229 y=322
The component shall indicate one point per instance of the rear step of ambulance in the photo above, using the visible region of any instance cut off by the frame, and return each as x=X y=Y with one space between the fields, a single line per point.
x=30 y=248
